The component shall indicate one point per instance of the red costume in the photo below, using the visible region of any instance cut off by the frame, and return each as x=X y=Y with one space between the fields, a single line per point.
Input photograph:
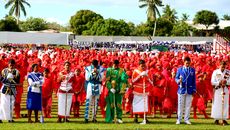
x=79 y=95
x=200 y=97
x=47 y=90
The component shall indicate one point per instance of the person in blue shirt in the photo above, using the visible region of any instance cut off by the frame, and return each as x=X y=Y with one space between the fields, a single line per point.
x=186 y=80
x=93 y=75
x=33 y=102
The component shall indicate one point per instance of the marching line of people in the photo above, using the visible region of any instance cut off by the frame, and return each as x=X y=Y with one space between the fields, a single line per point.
x=140 y=84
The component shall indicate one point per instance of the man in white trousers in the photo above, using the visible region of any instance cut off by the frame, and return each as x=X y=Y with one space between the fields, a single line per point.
x=10 y=77
x=186 y=80
x=93 y=76
x=220 y=105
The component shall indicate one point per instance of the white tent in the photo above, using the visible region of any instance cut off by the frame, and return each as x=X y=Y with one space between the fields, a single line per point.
x=190 y=43
x=133 y=42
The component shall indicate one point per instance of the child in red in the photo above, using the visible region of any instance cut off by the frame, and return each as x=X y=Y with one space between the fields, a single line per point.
x=158 y=92
x=78 y=96
x=200 y=98
x=171 y=95
x=47 y=90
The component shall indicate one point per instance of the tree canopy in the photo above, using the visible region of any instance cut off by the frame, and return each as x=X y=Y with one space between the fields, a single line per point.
x=9 y=24
x=226 y=17
x=34 y=24
x=83 y=20
x=206 y=18
x=16 y=7
x=170 y=14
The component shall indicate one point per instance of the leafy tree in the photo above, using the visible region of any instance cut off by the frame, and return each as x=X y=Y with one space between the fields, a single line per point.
x=132 y=28
x=83 y=20
x=65 y=28
x=164 y=27
x=109 y=27
x=54 y=26
x=185 y=17
x=206 y=18
x=152 y=10
x=16 y=7
x=181 y=29
x=226 y=17
x=227 y=30
x=34 y=24
x=143 y=29
x=9 y=24
x=169 y=14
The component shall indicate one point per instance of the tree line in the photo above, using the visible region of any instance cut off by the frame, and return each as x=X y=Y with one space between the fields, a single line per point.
x=87 y=22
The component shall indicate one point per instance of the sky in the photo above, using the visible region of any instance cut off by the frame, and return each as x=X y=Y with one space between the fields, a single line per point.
x=60 y=11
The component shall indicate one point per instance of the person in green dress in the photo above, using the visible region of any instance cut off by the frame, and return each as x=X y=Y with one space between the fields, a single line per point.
x=116 y=82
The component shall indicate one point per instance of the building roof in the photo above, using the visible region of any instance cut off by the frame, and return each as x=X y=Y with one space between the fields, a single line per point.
x=33 y=38
x=222 y=24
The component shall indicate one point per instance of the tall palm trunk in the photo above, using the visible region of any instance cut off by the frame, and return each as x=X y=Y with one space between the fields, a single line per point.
x=155 y=26
x=17 y=20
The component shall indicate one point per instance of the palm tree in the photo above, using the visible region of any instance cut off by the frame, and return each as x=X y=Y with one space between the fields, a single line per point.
x=169 y=14
x=16 y=7
x=152 y=10
x=184 y=17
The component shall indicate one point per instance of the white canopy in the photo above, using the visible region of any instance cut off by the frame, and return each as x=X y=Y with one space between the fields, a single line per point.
x=190 y=43
x=133 y=42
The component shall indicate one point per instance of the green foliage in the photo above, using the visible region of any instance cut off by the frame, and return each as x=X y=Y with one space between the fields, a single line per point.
x=152 y=8
x=169 y=14
x=34 y=24
x=54 y=26
x=226 y=17
x=164 y=27
x=65 y=28
x=16 y=7
x=132 y=28
x=109 y=27
x=181 y=29
x=9 y=24
x=206 y=18
x=83 y=20
x=184 y=17
x=143 y=29
x=227 y=30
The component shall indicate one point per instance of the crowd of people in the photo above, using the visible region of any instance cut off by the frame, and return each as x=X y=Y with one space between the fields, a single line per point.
x=138 y=83
x=140 y=46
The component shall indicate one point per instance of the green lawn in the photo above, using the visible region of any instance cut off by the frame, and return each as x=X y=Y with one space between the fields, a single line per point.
x=155 y=123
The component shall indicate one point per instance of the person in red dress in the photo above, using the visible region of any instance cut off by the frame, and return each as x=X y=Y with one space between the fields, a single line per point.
x=158 y=92
x=200 y=98
x=171 y=95
x=47 y=90
x=79 y=89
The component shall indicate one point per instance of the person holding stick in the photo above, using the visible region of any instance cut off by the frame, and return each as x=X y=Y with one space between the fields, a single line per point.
x=186 y=80
x=116 y=82
x=67 y=80
x=10 y=77
x=220 y=80
x=141 y=82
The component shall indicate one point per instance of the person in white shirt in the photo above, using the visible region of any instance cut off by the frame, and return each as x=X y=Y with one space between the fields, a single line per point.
x=220 y=106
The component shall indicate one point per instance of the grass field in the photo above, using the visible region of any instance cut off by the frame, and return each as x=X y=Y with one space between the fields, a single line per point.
x=155 y=123
x=78 y=123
